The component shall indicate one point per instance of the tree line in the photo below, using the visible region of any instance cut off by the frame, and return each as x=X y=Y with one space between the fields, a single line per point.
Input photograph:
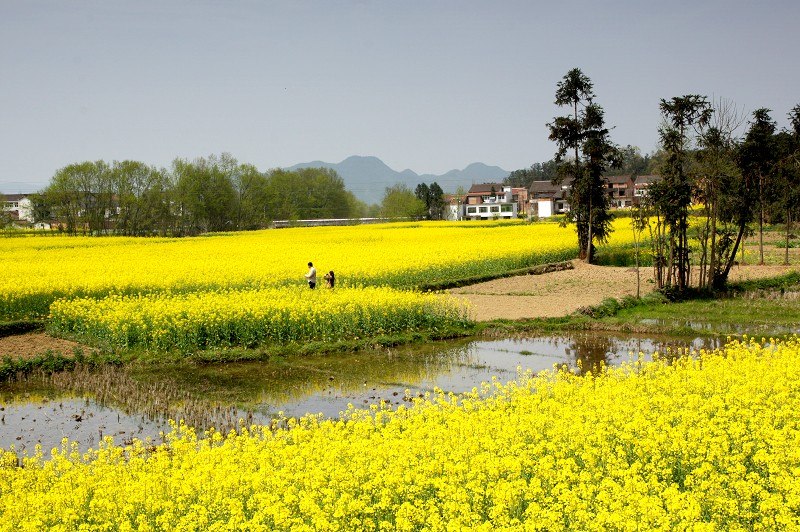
x=739 y=179
x=704 y=159
x=215 y=193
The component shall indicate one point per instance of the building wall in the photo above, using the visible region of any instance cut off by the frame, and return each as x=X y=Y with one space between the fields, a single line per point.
x=23 y=207
x=490 y=211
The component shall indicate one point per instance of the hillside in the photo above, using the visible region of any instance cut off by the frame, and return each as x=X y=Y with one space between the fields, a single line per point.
x=368 y=177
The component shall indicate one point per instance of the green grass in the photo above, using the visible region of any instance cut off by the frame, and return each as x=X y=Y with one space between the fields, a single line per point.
x=731 y=315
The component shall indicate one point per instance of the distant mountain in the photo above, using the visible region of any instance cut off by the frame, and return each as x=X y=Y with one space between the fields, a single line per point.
x=368 y=177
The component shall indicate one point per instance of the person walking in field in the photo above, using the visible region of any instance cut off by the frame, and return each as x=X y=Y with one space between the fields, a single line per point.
x=330 y=279
x=311 y=276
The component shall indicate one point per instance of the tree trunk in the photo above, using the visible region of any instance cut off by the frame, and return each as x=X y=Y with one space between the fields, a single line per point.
x=788 y=225
x=760 y=221
x=723 y=278
x=638 y=281
x=589 y=238
x=714 y=260
x=704 y=244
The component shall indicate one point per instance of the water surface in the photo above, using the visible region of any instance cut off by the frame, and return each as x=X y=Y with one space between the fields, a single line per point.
x=86 y=405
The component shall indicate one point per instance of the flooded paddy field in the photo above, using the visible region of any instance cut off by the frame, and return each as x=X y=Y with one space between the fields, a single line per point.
x=125 y=403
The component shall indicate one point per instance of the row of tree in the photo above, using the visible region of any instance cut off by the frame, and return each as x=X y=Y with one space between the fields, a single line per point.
x=702 y=160
x=738 y=180
x=216 y=193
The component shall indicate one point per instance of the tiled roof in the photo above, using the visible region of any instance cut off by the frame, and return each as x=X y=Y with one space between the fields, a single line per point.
x=619 y=178
x=485 y=187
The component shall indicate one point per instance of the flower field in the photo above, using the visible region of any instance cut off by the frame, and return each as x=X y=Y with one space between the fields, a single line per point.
x=703 y=443
x=39 y=270
x=251 y=317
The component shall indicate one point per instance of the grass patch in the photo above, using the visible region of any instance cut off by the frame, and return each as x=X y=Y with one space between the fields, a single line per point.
x=783 y=283
x=50 y=362
x=264 y=352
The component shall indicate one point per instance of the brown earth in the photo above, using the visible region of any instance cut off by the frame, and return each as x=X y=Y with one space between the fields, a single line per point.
x=29 y=345
x=561 y=293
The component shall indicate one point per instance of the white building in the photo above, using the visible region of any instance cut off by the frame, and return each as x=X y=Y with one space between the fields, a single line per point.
x=490 y=201
x=20 y=207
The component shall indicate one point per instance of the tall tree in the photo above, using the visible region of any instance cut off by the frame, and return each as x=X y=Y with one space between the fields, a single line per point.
x=308 y=193
x=682 y=116
x=787 y=177
x=423 y=193
x=758 y=159
x=435 y=201
x=432 y=197
x=584 y=153
x=399 y=202
x=142 y=200
x=205 y=194
x=249 y=186
x=81 y=195
x=717 y=177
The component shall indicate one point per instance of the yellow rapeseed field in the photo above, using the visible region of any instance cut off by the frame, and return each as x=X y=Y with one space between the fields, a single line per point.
x=704 y=443
x=249 y=318
x=38 y=270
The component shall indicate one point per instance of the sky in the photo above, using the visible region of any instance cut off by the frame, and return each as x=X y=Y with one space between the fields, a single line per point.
x=428 y=86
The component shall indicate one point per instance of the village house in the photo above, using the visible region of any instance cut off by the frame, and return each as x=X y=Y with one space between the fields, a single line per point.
x=488 y=201
x=452 y=207
x=547 y=199
x=620 y=191
x=623 y=191
x=643 y=182
x=19 y=206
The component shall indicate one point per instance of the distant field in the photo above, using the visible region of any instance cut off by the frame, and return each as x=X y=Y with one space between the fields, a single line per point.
x=39 y=270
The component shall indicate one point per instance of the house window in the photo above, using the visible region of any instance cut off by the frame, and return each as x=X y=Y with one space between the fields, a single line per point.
x=507 y=208
x=471 y=210
x=495 y=208
x=484 y=209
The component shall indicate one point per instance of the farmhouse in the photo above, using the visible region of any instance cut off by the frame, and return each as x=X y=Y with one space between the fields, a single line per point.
x=548 y=199
x=624 y=191
x=487 y=201
x=643 y=182
x=620 y=190
x=19 y=206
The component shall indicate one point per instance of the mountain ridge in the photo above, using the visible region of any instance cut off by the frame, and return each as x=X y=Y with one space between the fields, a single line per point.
x=367 y=176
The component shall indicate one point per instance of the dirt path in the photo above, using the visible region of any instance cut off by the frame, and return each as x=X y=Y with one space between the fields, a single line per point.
x=561 y=293
x=29 y=345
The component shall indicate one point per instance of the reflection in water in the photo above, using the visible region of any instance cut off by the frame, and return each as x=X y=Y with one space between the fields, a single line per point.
x=590 y=351
x=85 y=405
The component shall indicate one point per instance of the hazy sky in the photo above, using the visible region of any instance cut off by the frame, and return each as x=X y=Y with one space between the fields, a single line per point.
x=429 y=86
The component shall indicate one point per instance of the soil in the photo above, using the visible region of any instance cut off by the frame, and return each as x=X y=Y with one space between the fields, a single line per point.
x=560 y=293
x=29 y=345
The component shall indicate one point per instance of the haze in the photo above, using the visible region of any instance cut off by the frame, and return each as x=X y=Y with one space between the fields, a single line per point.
x=429 y=86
